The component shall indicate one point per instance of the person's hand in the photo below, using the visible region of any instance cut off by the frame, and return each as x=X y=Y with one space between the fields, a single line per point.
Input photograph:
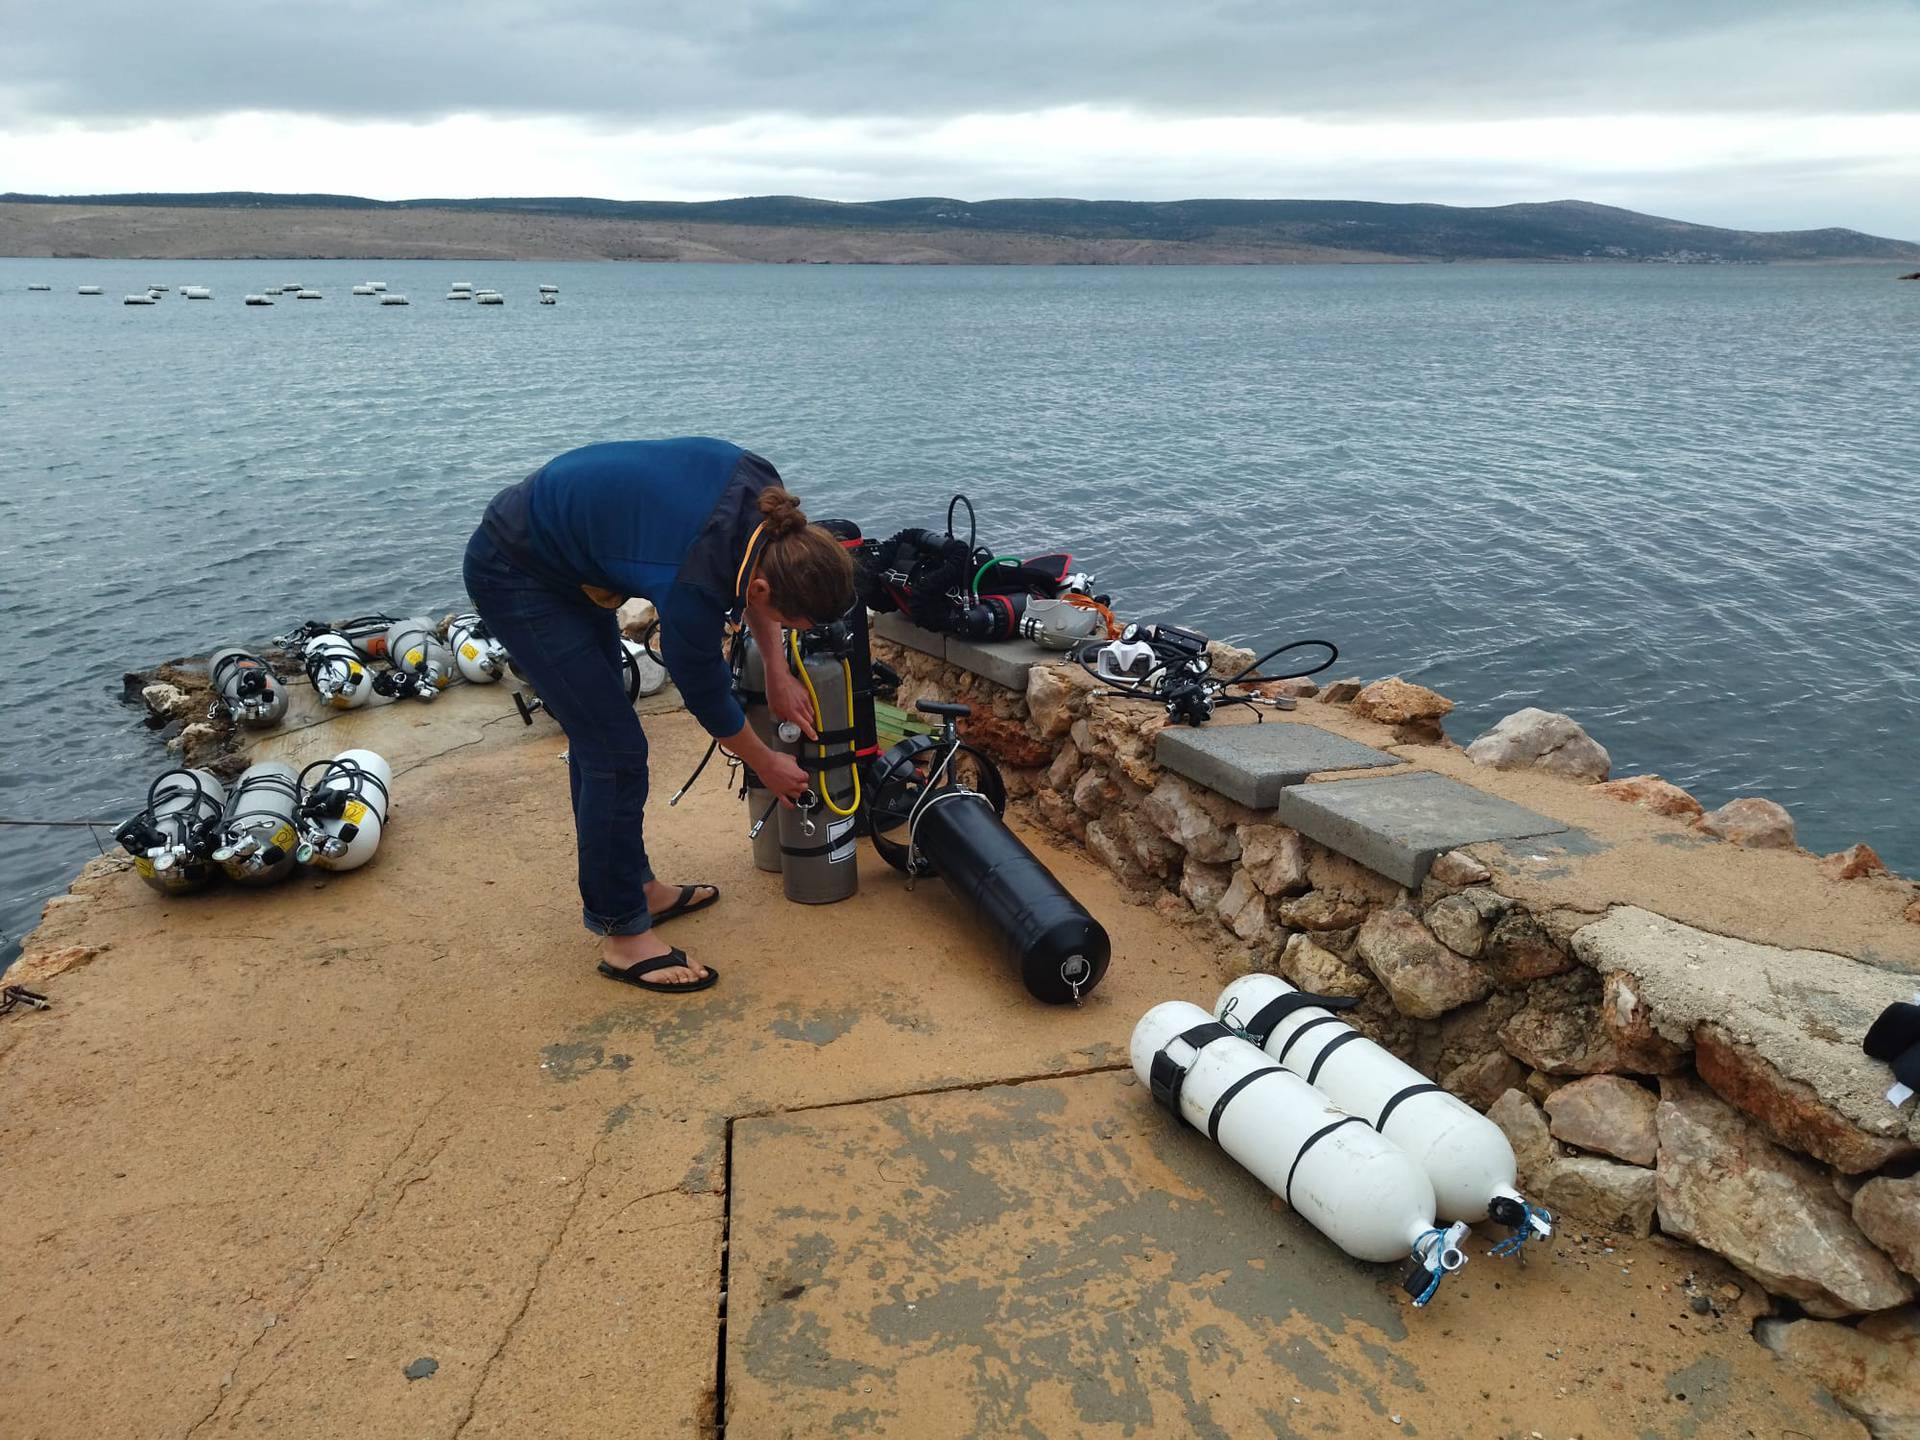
x=783 y=776
x=787 y=698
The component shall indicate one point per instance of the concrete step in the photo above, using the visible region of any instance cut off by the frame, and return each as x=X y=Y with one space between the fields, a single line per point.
x=901 y=631
x=1005 y=662
x=1398 y=824
x=1253 y=763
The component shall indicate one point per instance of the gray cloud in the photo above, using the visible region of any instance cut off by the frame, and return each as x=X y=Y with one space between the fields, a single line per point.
x=688 y=61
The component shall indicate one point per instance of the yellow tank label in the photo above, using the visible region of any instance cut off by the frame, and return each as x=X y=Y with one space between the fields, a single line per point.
x=353 y=812
x=414 y=656
x=282 y=838
x=470 y=651
x=143 y=866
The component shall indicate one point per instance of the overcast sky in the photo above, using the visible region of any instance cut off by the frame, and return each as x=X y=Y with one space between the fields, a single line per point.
x=1752 y=114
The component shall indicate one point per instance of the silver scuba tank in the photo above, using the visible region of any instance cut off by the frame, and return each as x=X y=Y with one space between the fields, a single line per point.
x=246 y=688
x=258 y=834
x=344 y=804
x=479 y=657
x=339 y=676
x=1060 y=624
x=644 y=674
x=415 y=651
x=818 y=848
x=763 y=807
x=170 y=840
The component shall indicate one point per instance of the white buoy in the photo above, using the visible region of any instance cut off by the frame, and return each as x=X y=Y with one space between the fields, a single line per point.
x=549 y=289
x=549 y=299
x=479 y=657
x=378 y=287
x=1466 y=1155
x=1349 y=1182
x=344 y=804
x=363 y=290
x=291 y=289
x=138 y=300
x=489 y=297
x=258 y=300
x=393 y=300
x=40 y=287
x=339 y=677
x=308 y=295
x=89 y=289
x=196 y=292
x=459 y=294
x=466 y=285
x=157 y=289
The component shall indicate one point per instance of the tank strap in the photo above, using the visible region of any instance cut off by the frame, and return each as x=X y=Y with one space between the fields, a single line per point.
x=1312 y=1024
x=1332 y=1045
x=1168 y=1075
x=809 y=852
x=1268 y=1017
x=1393 y=1101
x=1313 y=1140
x=842 y=761
x=1226 y=1098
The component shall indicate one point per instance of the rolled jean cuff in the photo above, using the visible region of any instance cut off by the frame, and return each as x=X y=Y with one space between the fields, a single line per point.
x=636 y=922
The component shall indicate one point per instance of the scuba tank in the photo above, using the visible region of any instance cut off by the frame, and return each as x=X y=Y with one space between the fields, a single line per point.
x=343 y=809
x=819 y=834
x=422 y=665
x=645 y=675
x=257 y=833
x=1061 y=624
x=1349 y=1182
x=1465 y=1154
x=763 y=808
x=172 y=837
x=338 y=675
x=246 y=688
x=479 y=657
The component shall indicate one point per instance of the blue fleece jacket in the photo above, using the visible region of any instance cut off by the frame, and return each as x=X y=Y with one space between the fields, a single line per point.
x=668 y=520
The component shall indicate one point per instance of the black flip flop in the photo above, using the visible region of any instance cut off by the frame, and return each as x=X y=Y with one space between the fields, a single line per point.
x=673 y=959
x=682 y=907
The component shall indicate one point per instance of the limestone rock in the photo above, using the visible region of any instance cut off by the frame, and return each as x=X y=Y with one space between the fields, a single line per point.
x=1458 y=870
x=1535 y=739
x=1650 y=792
x=1204 y=885
x=1540 y=1085
x=1332 y=871
x=1872 y=1369
x=1339 y=692
x=1629 y=1022
x=1457 y=924
x=1312 y=967
x=1519 y=950
x=635 y=616
x=1558 y=1030
x=1525 y=1127
x=1424 y=978
x=1299 y=687
x=1175 y=812
x=1791 y=1112
x=1114 y=853
x=1322 y=910
x=1888 y=1213
x=1065 y=768
x=1056 y=697
x=1093 y=791
x=1725 y=1186
x=1275 y=857
x=1856 y=862
x=37 y=966
x=1224 y=659
x=1752 y=822
x=1415 y=709
x=168 y=702
x=1607 y=1113
x=1008 y=740
x=1484 y=1079
x=1604 y=1192
x=1060 y=815
x=1243 y=909
x=1126 y=733
x=198 y=744
x=1912 y=913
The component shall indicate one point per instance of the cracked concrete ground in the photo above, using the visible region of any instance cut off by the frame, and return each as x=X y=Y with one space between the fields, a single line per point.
x=270 y=1148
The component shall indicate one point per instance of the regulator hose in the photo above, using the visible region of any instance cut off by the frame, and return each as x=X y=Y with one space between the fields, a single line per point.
x=820 y=723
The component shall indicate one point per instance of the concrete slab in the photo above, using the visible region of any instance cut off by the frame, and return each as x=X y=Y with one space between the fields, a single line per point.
x=1005 y=662
x=1251 y=763
x=1062 y=1258
x=902 y=631
x=1397 y=824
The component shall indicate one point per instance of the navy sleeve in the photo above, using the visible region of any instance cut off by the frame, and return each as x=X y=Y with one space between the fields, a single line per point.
x=692 y=629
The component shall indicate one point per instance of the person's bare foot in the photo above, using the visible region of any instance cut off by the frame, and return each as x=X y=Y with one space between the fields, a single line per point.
x=622 y=952
x=662 y=897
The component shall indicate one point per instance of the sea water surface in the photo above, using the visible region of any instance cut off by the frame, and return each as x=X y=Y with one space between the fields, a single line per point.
x=1677 y=503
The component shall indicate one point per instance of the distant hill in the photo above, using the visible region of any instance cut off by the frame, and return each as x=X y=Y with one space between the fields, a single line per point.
x=1091 y=231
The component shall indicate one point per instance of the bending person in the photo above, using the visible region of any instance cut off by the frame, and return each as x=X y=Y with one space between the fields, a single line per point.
x=704 y=530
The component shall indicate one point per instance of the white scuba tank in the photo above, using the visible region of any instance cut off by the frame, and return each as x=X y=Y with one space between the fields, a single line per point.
x=1060 y=624
x=246 y=688
x=414 y=649
x=479 y=657
x=1349 y=1182
x=344 y=804
x=170 y=840
x=1465 y=1154
x=645 y=675
x=339 y=676
x=258 y=835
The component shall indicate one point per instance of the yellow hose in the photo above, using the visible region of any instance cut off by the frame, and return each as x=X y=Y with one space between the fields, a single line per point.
x=820 y=723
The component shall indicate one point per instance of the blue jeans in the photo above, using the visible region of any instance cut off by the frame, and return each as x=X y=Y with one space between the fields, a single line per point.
x=569 y=648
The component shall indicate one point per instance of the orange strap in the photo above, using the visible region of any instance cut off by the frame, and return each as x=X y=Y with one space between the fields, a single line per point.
x=746 y=564
x=1087 y=602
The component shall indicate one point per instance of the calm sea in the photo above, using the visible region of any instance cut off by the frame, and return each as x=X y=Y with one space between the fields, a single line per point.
x=1676 y=503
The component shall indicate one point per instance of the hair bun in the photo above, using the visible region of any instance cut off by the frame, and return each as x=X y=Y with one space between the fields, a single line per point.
x=782 y=511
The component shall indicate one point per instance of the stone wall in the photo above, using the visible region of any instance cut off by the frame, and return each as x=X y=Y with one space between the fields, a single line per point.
x=1633 y=1099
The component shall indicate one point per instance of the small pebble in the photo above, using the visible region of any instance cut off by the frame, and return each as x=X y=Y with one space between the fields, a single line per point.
x=421 y=1368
